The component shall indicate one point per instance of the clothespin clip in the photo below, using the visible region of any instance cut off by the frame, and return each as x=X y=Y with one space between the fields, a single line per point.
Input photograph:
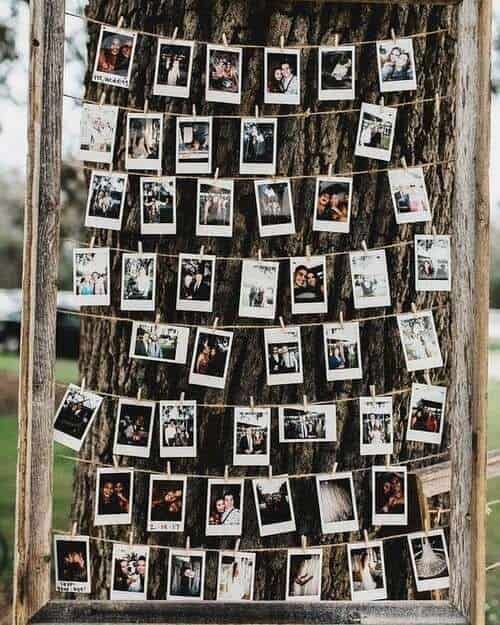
x=102 y=99
x=438 y=518
x=188 y=543
x=363 y=246
x=216 y=321
x=256 y=110
x=282 y=41
x=115 y=461
x=216 y=175
x=252 y=404
x=82 y=385
x=194 y=110
x=365 y=537
x=131 y=536
x=120 y=22
x=157 y=318
x=303 y=542
x=174 y=36
x=304 y=402
x=437 y=102
x=434 y=232
x=341 y=320
x=308 y=251
x=308 y=112
x=427 y=377
x=259 y=254
x=139 y=393
x=372 y=391
x=224 y=40
x=381 y=104
x=393 y=35
x=169 y=468
x=403 y=162
x=146 y=105
x=270 y=472
x=202 y=249
x=183 y=395
x=330 y=170
x=237 y=545
x=413 y=308
x=74 y=528
x=336 y=40
x=226 y=473
x=282 y=323
x=92 y=242
x=426 y=526
x=334 y=469
x=388 y=460
x=139 y=247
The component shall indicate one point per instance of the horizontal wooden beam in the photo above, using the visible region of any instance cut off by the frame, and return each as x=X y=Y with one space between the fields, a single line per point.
x=391 y=2
x=436 y=479
x=250 y=613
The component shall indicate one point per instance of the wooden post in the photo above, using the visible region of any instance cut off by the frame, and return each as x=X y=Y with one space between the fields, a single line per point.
x=39 y=284
x=470 y=310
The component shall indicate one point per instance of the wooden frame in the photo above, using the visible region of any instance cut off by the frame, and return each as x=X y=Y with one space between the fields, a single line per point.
x=36 y=389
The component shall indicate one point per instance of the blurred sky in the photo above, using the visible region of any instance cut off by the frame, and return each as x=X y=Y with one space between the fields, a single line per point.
x=13 y=125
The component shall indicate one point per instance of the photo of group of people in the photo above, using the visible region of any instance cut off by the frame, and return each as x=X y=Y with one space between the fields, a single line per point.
x=342 y=351
x=367 y=571
x=97 y=132
x=214 y=208
x=337 y=503
x=178 y=429
x=91 y=276
x=138 y=281
x=409 y=195
x=194 y=145
x=252 y=434
x=419 y=339
x=224 y=507
x=144 y=141
x=167 y=503
x=336 y=73
x=426 y=418
x=72 y=563
x=281 y=76
x=316 y=425
x=174 y=62
x=195 y=282
x=75 y=415
x=370 y=280
x=259 y=289
x=274 y=207
x=134 y=428
x=303 y=575
x=211 y=358
x=273 y=502
x=375 y=132
x=186 y=575
x=283 y=354
x=432 y=262
x=129 y=577
x=376 y=428
x=308 y=285
x=114 y=496
x=158 y=205
x=389 y=493
x=224 y=75
x=235 y=580
x=156 y=341
x=396 y=65
x=429 y=558
x=258 y=145
x=114 y=58
x=332 y=204
x=105 y=201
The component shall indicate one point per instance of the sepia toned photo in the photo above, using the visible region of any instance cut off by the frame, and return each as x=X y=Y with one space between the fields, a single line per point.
x=429 y=560
x=138 y=281
x=72 y=563
x=129 y=576
x=106 y=200
x=409 y=195
x=332 y=204
x=336 y=75
x=214 y=208
x=308 y=285
x=114 y=58
x=432 y=262
x=342 y=351
x=389 y=495
x=281 y=76
x=426 y=418
x=236 y=575
x=75 y=415
x=375 y=132
x=259 y=289
x=167 y=503
x=91 y=276
x=273 y=502
x=317 y=424
x=114 y=495
x=178 y=429
x=158 y=205
x=274 y=207
x=194 y=145
x=396 y=65
x=144 y=141
x=174 y=62
x=370 y=281
x=283 y=354
x=195 y=282
x=367 y=571
x=186 y=574
x=419 y=339
x=134 y=428
x=97 y=132
x=258 y=145
x=252 y=436
x=376 y=433
x=159 y=342
x=303 y=574
x=210 y=364
x=224 y=74
x=337 y=503
x=224 y=507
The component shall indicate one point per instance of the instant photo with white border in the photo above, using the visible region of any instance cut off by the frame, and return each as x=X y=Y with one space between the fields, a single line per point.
x=345 y=333
x=408 y=190
x=219 y=95
x=146 y=303
x=378 y=445
x=232 y=523
x=65 y=585
x=309 y=299
x=94 y=299
x=327 y=411
x=280 y=527
x=162 y=227
x=106 y=223
x=215 y=230
x=239 y=557
x=387 y=518
x=293 y=372
x=419 y=356
x=350 y=508
x=144 y=163
x=405 y=46
x=316 y=556
x=66 y=439
x=369 y=271
x=122 y=551
x=92 y=115
x=337 y=93
x=185 y=553
x=259 y=168
x=442 y=258
x=181 y=348
x=374 y=594
x=165 y=415
x=167 y=526
x=440 y=580
x=108 y=78
x=293 y=83
x=173 y=91
x=255 y=275
x=192 y=303
x=124 y=518
x=202 y=379
x=332 y=225
x=435 y=395
x=249 y=454
x=136 y=451
x=386 y=116
x=275 y=229
x=202 y=165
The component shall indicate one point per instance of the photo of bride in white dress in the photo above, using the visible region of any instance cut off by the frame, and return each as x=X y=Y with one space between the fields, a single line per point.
x=304 y=575
x=367 y=571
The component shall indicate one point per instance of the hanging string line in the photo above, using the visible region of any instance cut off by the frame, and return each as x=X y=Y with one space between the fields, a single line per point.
x=208 y=476
x=308 y=113
x=493 y=566
x=296 y=46
x=252 y=549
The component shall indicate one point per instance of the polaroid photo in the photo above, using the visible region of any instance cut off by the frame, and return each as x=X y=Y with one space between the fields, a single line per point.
x=342 y=351
x=274 y=207
x=106 y=200
x=159 y=342
x=211 y=355
x=129 y=575
x=97 y=132
x=138 y=281
x=225 y=507
x=375 y=131
x=273 y=502
x=134 y=428
x=367 y=571
x=396 y=65
x=114 y=496
x=283 y=353
x=317 y=424
x=72 y=563
x=426 y=419
x=259 y=289
x=214 y=208
x=91 y=269
x=429 y=560
x=174 y=64
x=337 y=503
x=144 y=141
x=167 y=503
x=389 y=495
x=75 y=416
x=224 y=73
x=420 y=341
x=308 y=285
x=281 y=76
x=303 y=575
x=432 y=262
x=186 y=574
x=236 y=576
x=195 y=282
x=332 y=204
x=258 y=145
x=194 y=145
x=158 y=205
x=376 y=431
x=178 y=429
x=252 y=437
x=370 y=280
x=336 y=73
x=114 y=57
x=409 y=195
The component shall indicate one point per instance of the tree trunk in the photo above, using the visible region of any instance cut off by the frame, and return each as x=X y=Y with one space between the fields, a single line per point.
x=306 y=145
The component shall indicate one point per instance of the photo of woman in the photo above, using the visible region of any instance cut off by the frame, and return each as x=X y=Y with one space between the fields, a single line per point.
x=133 y=428
x=211 y=358
x=308 y=285
x=304 y=575
x=138 y=281
x=174 y=62
x=376 y=428
x=167 y=503
x=105 y=200
x=367 y=571
x=426 y=419
x=389 y=494
x=115 y=54
x=396 y=65
x=144 y=141
x=235 y=580
x=224 y=507
x=336 y=73
x=114 y=493
x=72 y=563
x=178 y=429
x=332 y=204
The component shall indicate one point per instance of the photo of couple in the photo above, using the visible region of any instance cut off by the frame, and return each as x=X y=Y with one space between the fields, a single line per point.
x=195 y=283
x=153 y=341
x=426 y=419
x=409 y=195
x=166 y=504
x=419 y=340
x=251 y=436
x=342 y=351
x=432 y=262
x=178 y=429
x=281 y=76
x=376 y=428
x=173 y=68
x=370 y=280
x=259 y=289
x=332 y=209
x=283 y=356
x=258 y=146
x=396 y=65
x=72 y=563
x=130 y=572
x=115 y=54
x=224 y=503
x=105 y=201
x=74 y=416
x=158 y=205
x=336 y=73
x=211 y=358
x=389 y=492
x=308 y=285
x=134 y=428
x=186 y=575
x=144 y=141
x=375 y=131
x=138 y=281
x=223 y=82
x=113 y=501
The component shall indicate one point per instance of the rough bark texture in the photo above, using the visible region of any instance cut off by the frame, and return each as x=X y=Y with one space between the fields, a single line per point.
x=305 y=146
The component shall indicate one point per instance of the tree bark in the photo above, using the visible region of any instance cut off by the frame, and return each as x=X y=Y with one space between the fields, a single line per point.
x=306 y=145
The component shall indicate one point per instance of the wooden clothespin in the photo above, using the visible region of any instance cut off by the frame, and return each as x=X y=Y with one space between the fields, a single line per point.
x=341 y=320
x=403 y=162
x=216 y=322
x=438 y=518
x=427 y=377
x=252 y=404
x=237 y=545
x=226 y=473
x=257 y=110
x=139 y=247
x=413 y=308
x=308 y=112
x=74 y=528
x=169 y=468
x=434 y=232
x=202 y=249
x=393 y=35
x=82 y=385
x=334 y=469
x=102 y=99
x=224 y=40
x=336 y=39
x=305 y=402
x=139 y=393
x=366 y=537
x=115 y=461
x=146 y=105
x=270 y=472
x=259 y=254
x=131 y=536
x=381 y=104
x=330 y=170
x=194 y=110
x=216 y=175
x=174 y=36
x=308 y=252
x=388 y=460
x=363 y=246
x=92 y=242
x=426 y=525
x=183 y=395
x=121 y=21
x=303 y=542
x=282 y=323
x=282 y=41
x=437 y=102
x=188 y=543
x=372 y=391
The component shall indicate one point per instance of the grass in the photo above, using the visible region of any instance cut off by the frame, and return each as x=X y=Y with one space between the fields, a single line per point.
x=66 y=370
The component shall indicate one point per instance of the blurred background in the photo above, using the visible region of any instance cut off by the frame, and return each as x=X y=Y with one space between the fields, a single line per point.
x=14 y=23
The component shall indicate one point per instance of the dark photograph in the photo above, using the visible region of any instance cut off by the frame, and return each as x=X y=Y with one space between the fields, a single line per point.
x=74 y=416
x=114 y=491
